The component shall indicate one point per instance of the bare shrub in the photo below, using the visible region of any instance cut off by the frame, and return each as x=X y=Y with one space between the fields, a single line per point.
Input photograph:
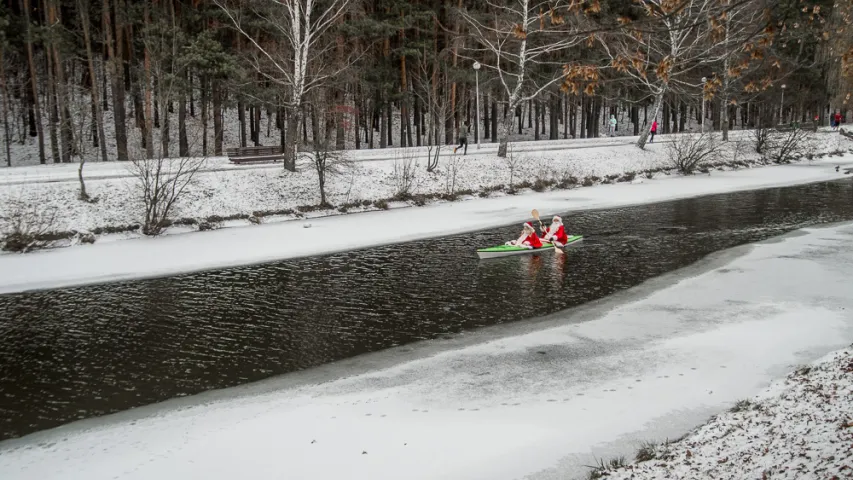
x=512 y=163
x=328 y=163
x=602 y=468
x=453 y=165
x=785 y=147
x=566 y=178
x=690 y=151
x=646 y=452
x=737 y=151
x=544 y=176
x=350 y=184
x=761 y=139
x=162 y=182
x=433 y=152
x=405 y=175
x=28 y=226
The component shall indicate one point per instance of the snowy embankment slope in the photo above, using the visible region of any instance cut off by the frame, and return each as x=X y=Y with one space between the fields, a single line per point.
x=537 y=400
x=64 y=172
x=800 y=427
x=173 y=254
x=223 y=192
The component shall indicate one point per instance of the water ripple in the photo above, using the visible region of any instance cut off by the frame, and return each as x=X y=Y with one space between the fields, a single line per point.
x=80 y=352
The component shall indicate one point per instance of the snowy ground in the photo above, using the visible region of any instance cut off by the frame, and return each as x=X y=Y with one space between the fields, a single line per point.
x=173 y=254
x=800 y=427
x=223 y=190
x=537 y=400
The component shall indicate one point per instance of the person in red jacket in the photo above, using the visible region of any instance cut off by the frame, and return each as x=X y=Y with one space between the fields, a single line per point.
x=556 y=233
x=654 y=130
x=528 y=238
x=837 y=120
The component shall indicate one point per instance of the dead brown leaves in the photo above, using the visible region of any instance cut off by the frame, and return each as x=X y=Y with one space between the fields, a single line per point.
x=664 y=68
x=556 y=18
x=577 y=78
x=593 y=6
x=711 y=87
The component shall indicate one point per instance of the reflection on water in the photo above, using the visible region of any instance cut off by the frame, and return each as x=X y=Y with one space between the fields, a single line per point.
x=80 y=352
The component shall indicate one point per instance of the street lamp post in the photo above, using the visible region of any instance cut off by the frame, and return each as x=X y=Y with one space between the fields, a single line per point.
x=477 y=122
x=782 y=105
x=704 y=79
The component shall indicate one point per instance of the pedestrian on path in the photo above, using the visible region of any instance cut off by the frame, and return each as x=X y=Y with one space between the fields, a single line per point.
x=463 y=138
x=612 y=129
x=654 y=130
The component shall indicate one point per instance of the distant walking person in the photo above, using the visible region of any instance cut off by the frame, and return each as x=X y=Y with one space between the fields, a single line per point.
x=837 y=120
x=654 y=130
x=612 y=129
x=463 y=138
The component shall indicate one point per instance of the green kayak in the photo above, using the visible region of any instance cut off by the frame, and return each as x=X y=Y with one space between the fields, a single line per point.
x=508 y=250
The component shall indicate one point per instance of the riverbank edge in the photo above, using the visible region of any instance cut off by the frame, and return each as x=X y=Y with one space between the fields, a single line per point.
x=796 y=427
x=34 y=237
x=143 y=258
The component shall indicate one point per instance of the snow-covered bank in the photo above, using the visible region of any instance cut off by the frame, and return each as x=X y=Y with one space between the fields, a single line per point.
x=537 y=400
x=221 y=192
x=150 y=257
x=800 y=427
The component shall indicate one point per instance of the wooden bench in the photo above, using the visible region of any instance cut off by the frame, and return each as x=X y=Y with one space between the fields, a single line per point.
x=242 y=155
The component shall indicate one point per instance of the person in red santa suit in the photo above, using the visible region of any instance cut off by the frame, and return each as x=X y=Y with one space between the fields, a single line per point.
x=556 y=233
x=528 y=238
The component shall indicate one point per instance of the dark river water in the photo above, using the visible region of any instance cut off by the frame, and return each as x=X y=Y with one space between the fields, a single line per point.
x=80 y=352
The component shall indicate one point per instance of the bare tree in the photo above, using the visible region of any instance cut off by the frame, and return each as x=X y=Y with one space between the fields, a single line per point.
x=430 y=88
x=453 y=165
x=326 y=162
x=523 y=35
x=734 y=33
x=162 y=181
x=512 y=163
x=296 y=63
x=675 y=44
x=81 y=122
x=405 y=174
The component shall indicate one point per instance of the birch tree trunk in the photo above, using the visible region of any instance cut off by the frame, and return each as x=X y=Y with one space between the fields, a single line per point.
x=644 y=137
